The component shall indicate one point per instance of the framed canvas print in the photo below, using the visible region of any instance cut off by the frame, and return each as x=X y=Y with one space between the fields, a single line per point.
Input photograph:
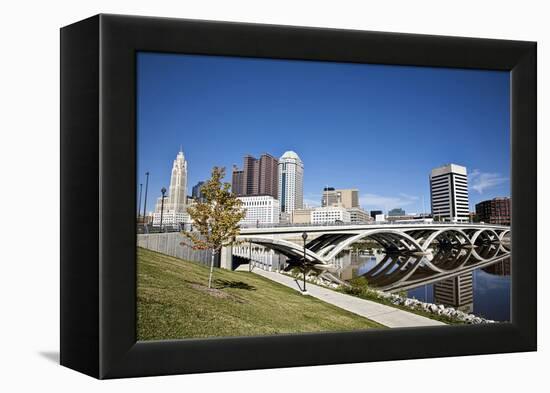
x=240 y=196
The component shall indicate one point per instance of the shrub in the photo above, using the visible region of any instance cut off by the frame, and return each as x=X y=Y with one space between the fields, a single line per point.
x=358 y=286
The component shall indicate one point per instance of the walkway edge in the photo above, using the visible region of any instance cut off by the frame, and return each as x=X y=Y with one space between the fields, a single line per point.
x=385 y=315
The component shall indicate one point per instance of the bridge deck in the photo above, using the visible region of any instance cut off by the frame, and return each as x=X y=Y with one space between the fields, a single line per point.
x=385 y=315
x=330 y=228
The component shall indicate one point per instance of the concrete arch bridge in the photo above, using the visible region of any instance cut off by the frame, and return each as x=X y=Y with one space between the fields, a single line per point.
x=325 y=243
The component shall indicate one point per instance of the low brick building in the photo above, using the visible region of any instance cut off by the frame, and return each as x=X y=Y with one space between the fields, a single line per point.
x=494 y=211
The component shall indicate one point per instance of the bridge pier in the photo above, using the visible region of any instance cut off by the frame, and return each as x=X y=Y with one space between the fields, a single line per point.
x=226 y=258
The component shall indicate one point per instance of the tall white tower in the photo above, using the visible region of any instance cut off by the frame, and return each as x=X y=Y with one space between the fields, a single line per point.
x=291 y=182
x=449 y=193
x=176 y=200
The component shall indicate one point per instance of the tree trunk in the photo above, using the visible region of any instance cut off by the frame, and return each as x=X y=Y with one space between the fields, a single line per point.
x=211 y=268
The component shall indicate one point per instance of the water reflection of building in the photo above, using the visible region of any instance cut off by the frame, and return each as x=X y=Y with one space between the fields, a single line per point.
x=502 y=268
x=456 y=292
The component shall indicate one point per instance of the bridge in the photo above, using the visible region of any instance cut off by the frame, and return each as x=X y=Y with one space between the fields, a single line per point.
x=414 y=242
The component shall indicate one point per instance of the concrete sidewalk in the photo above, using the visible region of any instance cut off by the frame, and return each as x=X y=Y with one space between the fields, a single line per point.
x=385 y=315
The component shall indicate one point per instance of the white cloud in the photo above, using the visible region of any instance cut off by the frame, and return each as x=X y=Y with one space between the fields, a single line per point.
x=374 y=201
x=311 y=203
x=480 y=181
x=312 y=200
x=386 y=202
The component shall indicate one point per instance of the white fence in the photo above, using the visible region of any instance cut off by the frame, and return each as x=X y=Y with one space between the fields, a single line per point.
x=175 y=245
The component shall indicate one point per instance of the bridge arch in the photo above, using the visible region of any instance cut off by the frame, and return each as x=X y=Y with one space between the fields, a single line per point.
x=285 y=247
x=503 y=234
x=383 y=236
x=453 y=231
x=485 y=232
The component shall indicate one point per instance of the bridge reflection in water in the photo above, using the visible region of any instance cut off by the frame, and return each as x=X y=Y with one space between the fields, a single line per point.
x=453 y=277
x=393 y=271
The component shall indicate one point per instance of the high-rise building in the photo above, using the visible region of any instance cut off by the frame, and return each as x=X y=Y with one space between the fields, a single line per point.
x=329 y=198
x=449 y=193
x=258 y=176
x=174 y=208
x=197 y=192
x=251 y=175
x=347 y=198
x=494 y=211
x=291 y=182
x=260 y=209
x=268 y=175
x=176 y=200
x=237 y=181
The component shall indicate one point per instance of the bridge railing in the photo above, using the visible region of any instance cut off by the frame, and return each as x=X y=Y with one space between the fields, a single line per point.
x=366 y=224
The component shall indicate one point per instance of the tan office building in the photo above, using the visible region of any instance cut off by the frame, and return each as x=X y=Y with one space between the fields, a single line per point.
x=346 y=198
x=301 y=216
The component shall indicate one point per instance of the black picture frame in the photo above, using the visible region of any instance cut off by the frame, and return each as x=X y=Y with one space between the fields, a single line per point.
x=98 y=188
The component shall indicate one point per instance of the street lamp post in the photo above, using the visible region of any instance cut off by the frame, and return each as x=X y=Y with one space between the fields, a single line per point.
x=304 y=236
x=139 y=201
x=146 y=187
x=249 y=256
x=163 y=190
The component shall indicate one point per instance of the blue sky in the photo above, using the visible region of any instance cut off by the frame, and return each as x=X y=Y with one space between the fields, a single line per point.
x=377 y=128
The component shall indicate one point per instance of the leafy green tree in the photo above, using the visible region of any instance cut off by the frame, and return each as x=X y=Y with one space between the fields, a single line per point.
x=215 y=218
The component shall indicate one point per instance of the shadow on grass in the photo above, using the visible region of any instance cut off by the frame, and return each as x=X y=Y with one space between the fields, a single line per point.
x=220 y=284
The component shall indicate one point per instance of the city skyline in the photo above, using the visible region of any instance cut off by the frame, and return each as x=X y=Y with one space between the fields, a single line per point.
x=475 y=124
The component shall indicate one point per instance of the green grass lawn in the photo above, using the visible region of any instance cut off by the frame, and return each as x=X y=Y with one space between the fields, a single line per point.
x=174 y=302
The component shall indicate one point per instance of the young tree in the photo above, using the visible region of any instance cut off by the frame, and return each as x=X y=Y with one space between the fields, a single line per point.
x=216 y=218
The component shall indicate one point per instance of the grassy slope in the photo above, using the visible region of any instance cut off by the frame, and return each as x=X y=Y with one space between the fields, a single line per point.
x=173 y=303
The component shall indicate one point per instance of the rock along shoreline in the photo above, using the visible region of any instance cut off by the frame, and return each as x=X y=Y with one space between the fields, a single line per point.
x=413 y=304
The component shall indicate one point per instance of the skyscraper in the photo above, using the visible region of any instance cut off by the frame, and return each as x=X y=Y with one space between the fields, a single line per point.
x=176 y=200
x=174 y=209
x=268 y=176
x=258 y=177
x=291 y=182
x=251 y=175
x=449 y=193
x=237 y=181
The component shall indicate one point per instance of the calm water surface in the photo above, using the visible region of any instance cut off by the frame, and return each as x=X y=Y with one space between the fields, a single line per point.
x=484 y=291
